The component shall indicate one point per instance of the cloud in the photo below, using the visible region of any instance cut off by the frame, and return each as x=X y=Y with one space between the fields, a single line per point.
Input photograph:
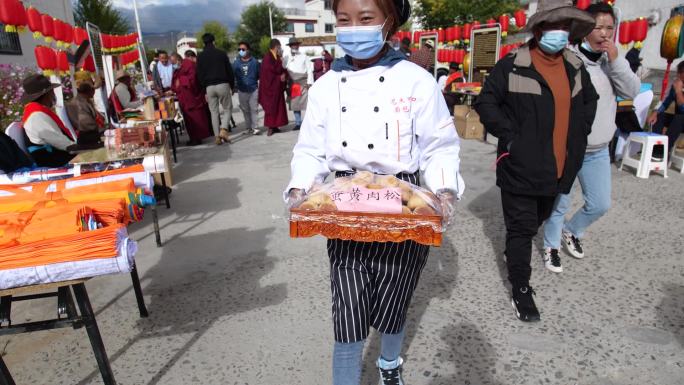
x=188 y=15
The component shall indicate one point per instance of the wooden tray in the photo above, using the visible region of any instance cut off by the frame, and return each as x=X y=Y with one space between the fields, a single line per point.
x=375 y=226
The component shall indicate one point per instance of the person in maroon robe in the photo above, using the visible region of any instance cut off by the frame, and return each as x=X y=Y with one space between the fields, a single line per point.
x=272 y=88
x=191 y=98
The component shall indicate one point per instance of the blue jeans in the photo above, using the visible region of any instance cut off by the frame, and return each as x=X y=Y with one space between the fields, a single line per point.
x=347 y=357
x=298 y=118
x=594 y=177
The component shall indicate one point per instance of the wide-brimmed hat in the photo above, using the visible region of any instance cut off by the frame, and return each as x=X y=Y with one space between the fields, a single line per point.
x=554 y=11
x=120 y=74
x=430 y=43
x=35 y=86
x=294 y=41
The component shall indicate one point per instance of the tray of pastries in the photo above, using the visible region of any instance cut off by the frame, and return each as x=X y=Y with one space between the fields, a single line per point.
x=369 y=208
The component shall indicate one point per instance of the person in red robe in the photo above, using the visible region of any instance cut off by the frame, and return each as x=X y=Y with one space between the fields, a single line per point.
x=272 y=88
x=191 y=98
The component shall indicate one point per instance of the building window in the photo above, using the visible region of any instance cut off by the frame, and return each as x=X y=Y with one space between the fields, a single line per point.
x=9 y=42
x=290 y=28
x=309 y=27
x=329 y=28
x=327 y=4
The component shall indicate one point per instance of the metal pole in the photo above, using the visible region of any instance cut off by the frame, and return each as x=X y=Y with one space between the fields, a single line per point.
x=137 y=21
x=270 y=21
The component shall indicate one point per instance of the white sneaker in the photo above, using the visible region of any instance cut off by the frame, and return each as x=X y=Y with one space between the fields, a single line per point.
x=256 y=131
x=552 y=260
x=573 y=245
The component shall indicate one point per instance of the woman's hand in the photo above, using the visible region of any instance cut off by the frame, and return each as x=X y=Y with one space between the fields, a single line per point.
x=653 y=118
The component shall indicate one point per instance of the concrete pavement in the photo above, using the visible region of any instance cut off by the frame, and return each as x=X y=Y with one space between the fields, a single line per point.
x=234 y=300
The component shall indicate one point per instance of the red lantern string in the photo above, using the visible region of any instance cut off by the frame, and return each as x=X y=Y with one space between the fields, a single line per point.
x=457 y=33
x=62 y=63
x=441 y=35
x=35 y=22
x=476 y=24
x=624 y=31
x=467 y=28
x=46 y=58
x=8 y=14
x=48 y=28
x=490 y=22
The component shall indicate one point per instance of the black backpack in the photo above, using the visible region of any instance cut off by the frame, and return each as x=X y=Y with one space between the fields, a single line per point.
x=12 y=157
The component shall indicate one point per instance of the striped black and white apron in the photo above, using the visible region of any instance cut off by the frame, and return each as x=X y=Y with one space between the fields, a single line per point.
x=372 y=282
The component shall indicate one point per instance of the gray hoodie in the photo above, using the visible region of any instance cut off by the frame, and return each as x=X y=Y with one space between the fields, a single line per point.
x=611 y=79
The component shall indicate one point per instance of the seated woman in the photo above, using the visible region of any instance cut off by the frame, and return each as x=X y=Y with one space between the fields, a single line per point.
x=47 y=136
x=125 y=91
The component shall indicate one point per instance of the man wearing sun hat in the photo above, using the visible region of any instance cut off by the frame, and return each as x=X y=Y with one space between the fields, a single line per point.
x=540 y=104
x=425 y=56
x=47 y=136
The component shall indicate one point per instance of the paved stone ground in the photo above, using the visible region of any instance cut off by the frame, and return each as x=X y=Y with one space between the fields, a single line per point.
x=233 y=300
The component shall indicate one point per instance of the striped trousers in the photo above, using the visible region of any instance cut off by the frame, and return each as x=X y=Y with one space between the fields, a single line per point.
x=372 y=283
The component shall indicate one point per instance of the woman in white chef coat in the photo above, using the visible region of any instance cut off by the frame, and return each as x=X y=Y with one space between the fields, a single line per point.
x=375 y=111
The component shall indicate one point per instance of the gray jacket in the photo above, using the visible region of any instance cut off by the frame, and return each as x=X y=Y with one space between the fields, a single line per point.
x=610 y=79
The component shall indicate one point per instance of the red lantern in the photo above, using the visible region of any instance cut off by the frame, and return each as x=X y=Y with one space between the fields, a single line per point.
x=639 y=31
x=520 y=18
x=80 y=35
x=416 y=36
x=457 y=33
x=490 y=22
x=46 y=59
x=625 y=36
x=7 y=16
x=467 y=28
x=48 y=28
x=62 y=63
x=459 y=55
x=106 y=42
x=88 y=64
x=68 y=34
x=476 y=24
x=583 y=4
x=35 y=22
x=58 y=26
x=503 y=21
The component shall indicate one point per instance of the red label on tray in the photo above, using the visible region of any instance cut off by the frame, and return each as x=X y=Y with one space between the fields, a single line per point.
x=365 y=200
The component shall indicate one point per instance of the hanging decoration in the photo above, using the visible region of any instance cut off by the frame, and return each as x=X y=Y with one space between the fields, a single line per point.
x=583 y=4
x=504 y=21
x=13 y=15
x=467 y=28
x=670 y=49
x=457 y=33
x=80 y=35
x=46 y=59
x=88 y=65
x=625 y=35
x=520 y=18
x=62 y=63
x=639 y=32
x=48 y=28
x=35 y=22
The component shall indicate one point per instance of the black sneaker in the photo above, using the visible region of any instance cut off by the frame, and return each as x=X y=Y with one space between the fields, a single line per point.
x=573 y=245
x=390 y=376
x=523 y=303
x=296 y=128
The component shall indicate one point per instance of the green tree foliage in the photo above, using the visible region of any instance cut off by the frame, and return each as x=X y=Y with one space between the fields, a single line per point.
x=254 y=25
x=101 y=13
x=445 y=13
x=219 y=31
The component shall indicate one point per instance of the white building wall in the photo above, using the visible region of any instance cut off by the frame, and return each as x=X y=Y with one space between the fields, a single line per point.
x=61 y=9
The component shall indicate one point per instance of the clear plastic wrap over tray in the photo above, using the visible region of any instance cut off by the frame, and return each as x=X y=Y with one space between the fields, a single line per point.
x=369 y=208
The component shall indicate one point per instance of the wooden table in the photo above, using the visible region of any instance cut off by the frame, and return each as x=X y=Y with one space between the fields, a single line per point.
x=102 y=155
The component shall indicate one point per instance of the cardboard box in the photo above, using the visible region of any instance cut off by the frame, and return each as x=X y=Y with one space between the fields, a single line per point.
x=467 y=123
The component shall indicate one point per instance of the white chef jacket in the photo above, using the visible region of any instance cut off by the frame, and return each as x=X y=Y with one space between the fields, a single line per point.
x=300 y=64
x=386 y=120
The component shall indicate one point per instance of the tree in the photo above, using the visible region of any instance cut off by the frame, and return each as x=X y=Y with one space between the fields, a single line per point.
x=101 y=13
x=254 y=25
x=220 y=33
x=445 y=13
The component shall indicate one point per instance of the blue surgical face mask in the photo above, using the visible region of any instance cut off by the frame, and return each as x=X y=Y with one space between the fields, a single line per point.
x=361 y=42
x=554 y=41
x=242 y=53
x=587 y=46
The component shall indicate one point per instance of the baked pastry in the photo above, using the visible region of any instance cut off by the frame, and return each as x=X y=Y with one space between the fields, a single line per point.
x=374 y=186
x=308 y=206
x=405 y=210
x=415 y=202
x=387 y=180
x=424 y=210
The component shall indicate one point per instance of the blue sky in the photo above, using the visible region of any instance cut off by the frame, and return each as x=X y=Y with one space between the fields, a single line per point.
x=189 y=15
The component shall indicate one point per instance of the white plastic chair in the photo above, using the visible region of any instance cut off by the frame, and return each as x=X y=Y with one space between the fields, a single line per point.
x=16 y=132
x=645 y=164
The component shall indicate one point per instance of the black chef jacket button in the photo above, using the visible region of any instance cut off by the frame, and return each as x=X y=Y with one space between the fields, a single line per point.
x=344 y=80
x=344 y=144
x=376 y=109
x=370 y=146
x=344 y=109
x=382 y=79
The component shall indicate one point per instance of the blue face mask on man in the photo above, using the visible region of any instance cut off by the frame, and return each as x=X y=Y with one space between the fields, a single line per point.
x=554 y=41
x=361 y=42
x=242 y=53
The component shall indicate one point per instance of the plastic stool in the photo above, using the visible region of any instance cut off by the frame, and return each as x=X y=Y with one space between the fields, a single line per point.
x=645 y=164
x=677 y=157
